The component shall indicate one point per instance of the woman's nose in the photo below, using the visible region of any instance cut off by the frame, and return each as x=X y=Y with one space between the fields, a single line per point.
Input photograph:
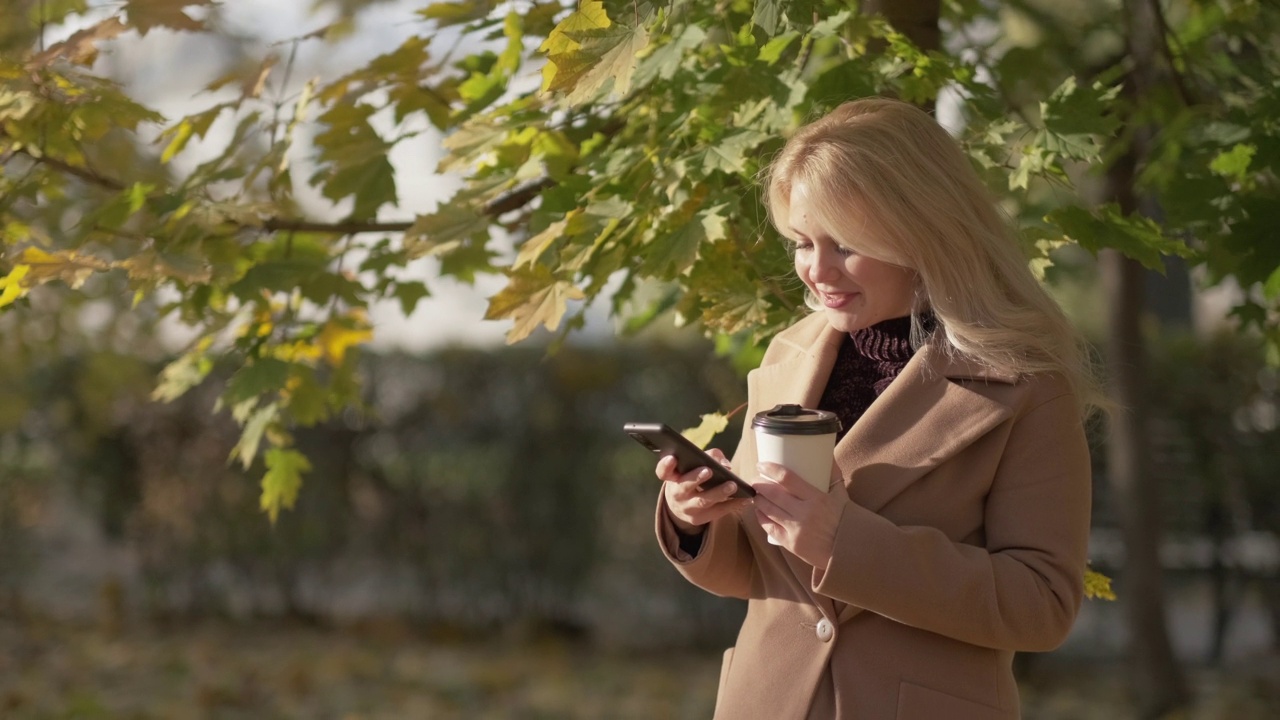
x=821 y=268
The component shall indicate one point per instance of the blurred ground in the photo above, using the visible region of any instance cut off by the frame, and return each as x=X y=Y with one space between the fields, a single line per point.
x=213 y=671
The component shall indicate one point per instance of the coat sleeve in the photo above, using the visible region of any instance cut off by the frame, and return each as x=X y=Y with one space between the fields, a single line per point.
x=1023 y=589
x=724 y=563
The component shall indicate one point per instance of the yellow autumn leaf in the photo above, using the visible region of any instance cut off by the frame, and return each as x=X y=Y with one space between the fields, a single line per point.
x=68 y=266
x=300 y=352
x=712 y=424
x=532 y=298
x=589 y=16
x=338 y=337
x=1097 y=586
x=534 y=247
x=11 y=287
x=587 y=50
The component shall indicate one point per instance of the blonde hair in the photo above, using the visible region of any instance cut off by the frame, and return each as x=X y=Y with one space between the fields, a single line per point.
x=929 y=211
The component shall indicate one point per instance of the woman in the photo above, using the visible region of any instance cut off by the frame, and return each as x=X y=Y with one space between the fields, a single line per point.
x=954 y=532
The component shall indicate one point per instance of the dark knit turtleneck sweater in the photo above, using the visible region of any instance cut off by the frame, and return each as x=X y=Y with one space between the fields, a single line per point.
x=869 y=360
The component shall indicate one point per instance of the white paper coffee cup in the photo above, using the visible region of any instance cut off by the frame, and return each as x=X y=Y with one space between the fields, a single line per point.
x=800 y=439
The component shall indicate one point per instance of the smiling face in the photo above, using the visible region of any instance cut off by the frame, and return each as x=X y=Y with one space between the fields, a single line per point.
x=855 y=291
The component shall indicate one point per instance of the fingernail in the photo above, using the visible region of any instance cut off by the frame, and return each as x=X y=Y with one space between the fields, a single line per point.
x=704 y=474
x=729 y=489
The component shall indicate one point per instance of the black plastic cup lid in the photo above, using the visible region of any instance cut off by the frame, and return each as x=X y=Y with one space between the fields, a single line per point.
x=796 y=420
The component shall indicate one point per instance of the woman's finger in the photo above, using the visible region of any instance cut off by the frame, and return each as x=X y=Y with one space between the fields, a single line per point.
x=789 y=480
x=766 y=502
x=719 y=457
x=770 y=527
x=665 y=467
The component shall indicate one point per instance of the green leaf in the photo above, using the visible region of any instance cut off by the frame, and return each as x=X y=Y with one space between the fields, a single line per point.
x=1077 y=120
x=665 y=62
x=276 y=275
x=1234 y=163
x=309 y=402
x=1271 y=289
x=283 y=480
x=464 y=261
x=1250 y=314
x=1073 y=110
x=458 y=12
x=353 y=160
x=322 y=287
x=674 y=253
x=1137 y=237
x=773 y=49
x=453 y=224
x=183 y=374
x=246 y=448
x=259 y=377
x=145 y=15
x=409 y=293
x=766 y=14
x=730 y=154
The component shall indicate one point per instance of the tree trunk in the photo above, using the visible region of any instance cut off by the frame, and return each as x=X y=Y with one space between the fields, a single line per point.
x=1158 y=683
x=917 y=19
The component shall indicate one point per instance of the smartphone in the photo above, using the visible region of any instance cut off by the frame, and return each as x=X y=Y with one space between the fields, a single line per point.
x=663 y=441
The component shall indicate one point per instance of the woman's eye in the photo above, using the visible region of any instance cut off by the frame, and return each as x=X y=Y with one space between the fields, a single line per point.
x=799 y=245
x=843 y=251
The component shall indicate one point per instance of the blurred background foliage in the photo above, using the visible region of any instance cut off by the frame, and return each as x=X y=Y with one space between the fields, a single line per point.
x=474 y=539
x=477 y=541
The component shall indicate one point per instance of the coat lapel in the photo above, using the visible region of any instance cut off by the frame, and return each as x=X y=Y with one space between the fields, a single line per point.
x=800 y=379
x=922 y=418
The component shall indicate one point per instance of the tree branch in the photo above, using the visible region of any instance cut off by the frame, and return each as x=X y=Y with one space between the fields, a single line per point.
x=84 y=173
x=518 y=198
x=344 y=227
x=1166 y=35
x=513 y=200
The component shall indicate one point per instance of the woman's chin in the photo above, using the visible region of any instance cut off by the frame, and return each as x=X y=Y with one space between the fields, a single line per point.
x=843 y=321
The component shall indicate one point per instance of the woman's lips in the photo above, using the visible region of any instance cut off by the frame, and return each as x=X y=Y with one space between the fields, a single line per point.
x=835 y=301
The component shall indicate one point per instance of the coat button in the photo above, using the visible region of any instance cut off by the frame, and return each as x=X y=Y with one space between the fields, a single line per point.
x=825 y=630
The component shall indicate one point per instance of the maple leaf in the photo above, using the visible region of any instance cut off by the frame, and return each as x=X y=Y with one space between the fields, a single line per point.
x=69 y=266
x=339 y=336
x=587 y=49
x=82 y=47
x=444 y=230
x=531 y=298
x=283 y=480
x=247 y=448
x=145 y=15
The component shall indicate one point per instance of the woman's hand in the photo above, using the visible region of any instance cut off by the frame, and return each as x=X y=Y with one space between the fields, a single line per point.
x=798 y=516
x=689 y=504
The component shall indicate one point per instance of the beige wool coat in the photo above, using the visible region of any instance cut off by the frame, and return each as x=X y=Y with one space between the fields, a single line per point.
x=964 y=540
